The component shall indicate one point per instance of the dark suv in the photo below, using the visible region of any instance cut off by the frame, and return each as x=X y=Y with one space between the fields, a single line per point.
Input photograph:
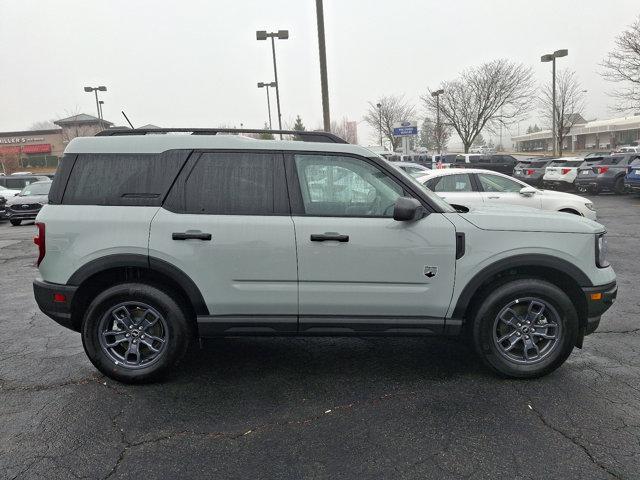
x=531 y=170
x=18 y=182
x=498 y=163
x=606 y=174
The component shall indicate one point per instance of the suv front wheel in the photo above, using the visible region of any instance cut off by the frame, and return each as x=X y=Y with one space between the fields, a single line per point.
x=135 y=332
x=525 y=328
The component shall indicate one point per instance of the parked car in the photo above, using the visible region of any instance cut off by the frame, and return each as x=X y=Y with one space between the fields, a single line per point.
x=3 y=208
x=9 y=192
x=498 y=163
x=18 y=182
x=632 y=179
x=561 y=173
x=27 y=204
x=596 y=154
x=608 y=174
x=149 y=241
x=473 y=187
x=628 y=149
x=413 y=169
x=531 y=170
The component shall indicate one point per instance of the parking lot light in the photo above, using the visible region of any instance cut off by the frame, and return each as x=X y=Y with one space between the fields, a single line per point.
x=551 y=57
x=282 y=35
x=95 y=90
x=266 y=86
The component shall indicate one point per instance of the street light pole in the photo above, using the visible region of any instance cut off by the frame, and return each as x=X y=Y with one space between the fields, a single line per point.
x=551 y=57
x=282 y=35
x=323 y=67
x=379 y=105
x=101 y=103
x=267 y=85
x=437 y=94
x=95 y=90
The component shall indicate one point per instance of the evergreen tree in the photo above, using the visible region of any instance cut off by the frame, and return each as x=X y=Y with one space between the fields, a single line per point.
x=266 y=136
x=299 y=126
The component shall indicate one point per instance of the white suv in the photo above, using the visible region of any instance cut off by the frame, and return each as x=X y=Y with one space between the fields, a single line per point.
x=149 y=241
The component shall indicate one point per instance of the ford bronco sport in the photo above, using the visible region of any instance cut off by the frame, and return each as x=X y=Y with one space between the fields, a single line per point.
x=151 y=239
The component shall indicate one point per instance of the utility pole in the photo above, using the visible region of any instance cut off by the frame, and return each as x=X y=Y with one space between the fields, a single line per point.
x=437 y=94
x=551 y=57
x=379 y=105
x=323 y=67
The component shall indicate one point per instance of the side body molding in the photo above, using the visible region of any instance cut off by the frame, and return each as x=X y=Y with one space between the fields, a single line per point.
x=149 y=263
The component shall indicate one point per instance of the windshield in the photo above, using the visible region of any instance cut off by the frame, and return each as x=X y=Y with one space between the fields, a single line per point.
x=566 y=163
x=36 y=189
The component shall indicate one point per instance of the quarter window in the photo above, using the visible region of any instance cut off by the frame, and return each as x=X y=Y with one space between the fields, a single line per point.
x=345 y=186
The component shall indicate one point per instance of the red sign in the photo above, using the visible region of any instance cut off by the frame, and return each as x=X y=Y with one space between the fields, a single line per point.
x=37 y=148
x=9 y=150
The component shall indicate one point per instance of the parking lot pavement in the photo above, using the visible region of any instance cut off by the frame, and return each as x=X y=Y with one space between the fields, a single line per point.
x=320 y=408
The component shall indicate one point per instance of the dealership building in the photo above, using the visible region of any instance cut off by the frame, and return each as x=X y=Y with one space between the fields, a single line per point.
x=43 y=148
x=585 y=135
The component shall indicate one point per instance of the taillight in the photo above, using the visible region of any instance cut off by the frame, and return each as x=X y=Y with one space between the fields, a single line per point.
x=565 y=171
x=39 y=240
x=529 y=172
x=603 y=169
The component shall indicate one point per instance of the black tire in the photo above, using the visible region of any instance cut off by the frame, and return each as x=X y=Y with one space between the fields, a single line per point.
x=618 y=187
x=179 y=331
x=15 y=223
x=499 y=298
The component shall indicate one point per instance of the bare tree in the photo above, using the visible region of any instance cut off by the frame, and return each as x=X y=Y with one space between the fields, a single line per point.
x=44 y=125
x=393 y=109
x=344 y=130
x=489 y=95
x=570 y=104
x=622 y=66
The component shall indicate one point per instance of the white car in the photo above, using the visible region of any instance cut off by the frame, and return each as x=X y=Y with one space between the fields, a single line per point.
x=414 y=169
x=471 y=187
x=562 y=172
x=8 y=192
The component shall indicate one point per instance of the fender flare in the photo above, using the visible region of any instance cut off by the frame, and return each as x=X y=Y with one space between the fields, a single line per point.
x=525 y=260
x=149 y=263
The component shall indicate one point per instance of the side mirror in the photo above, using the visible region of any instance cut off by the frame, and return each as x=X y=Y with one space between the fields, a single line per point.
x=407 y=209
x=527 y=191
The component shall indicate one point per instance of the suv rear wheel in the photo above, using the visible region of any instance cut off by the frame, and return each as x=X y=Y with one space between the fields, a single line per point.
x=525 y=328
x=135 y=332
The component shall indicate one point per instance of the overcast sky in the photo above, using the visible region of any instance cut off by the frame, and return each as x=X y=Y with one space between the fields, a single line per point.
x=196 y=62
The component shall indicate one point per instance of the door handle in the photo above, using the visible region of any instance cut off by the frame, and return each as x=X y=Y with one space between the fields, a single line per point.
x=494 y=197
x=329 y=236
x=191 y=235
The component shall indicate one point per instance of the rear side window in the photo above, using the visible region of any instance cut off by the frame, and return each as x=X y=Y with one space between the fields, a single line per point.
x=231 y=183
x=141 y=179
x=451 y=183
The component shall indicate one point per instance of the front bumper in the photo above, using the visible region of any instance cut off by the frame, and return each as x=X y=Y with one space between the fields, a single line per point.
x=30 y=215
x=632 y=186
x=599 y=300
x=60 y=311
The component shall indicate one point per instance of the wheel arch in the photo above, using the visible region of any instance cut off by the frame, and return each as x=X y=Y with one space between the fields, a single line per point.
x=105 y=271
x=561 y=273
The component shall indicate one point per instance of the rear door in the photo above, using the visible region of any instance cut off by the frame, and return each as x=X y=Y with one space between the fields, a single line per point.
x=359 y=269
x=226 y=224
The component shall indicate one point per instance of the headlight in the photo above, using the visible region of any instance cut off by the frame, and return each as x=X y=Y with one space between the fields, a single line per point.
x=601 y=251
x=589 y=205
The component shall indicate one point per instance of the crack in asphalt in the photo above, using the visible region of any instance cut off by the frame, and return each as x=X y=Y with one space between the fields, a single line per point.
x=568 y=437
x=127 y=445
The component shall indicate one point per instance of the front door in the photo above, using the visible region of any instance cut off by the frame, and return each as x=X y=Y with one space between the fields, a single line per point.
x=359 y=269
x=226 y=224
x=499 y=190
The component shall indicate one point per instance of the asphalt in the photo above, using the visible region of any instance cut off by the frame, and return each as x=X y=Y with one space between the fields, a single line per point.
x=320 y=408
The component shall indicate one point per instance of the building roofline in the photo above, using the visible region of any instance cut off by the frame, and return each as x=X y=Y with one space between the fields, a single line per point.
x=31 y=132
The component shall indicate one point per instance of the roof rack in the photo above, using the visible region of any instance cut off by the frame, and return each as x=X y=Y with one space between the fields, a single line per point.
x=305 y=136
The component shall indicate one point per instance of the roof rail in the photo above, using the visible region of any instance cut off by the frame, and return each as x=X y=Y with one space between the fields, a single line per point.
x=305 y=136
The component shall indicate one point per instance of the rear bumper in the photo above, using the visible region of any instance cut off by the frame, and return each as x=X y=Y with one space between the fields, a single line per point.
x=557 y=184
x=59 y=311
x=533 y=180
x=599 y=300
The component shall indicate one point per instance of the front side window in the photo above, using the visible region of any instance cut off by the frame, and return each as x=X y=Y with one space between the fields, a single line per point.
x=495 y=183
x=345 y=186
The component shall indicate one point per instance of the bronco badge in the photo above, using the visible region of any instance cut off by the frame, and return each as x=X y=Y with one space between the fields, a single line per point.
x=430 y=272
